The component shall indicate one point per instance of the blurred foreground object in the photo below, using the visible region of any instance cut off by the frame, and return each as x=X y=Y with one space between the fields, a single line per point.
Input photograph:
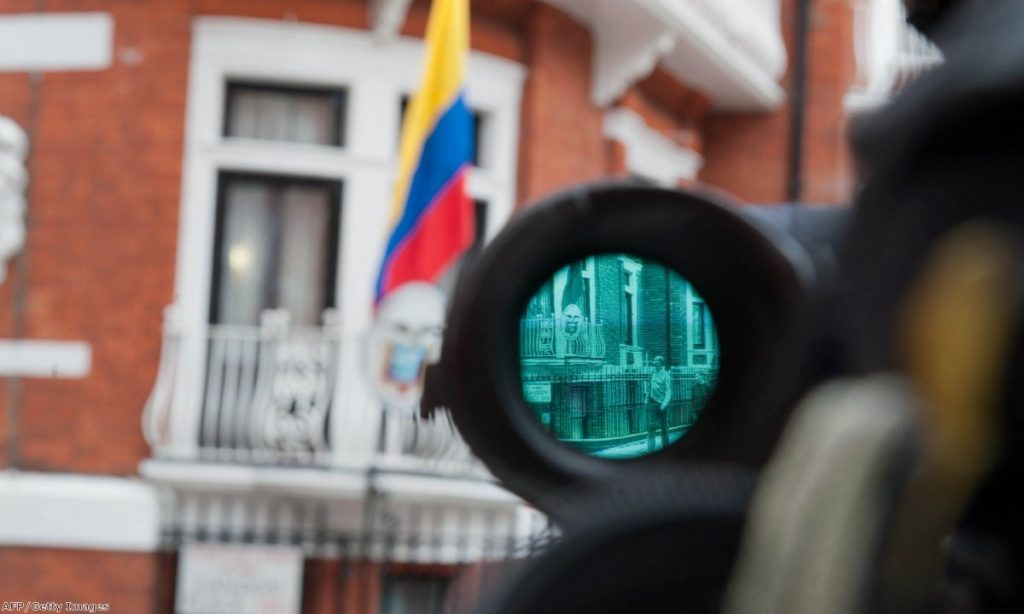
x=873 y=474
x=957 y=356
x=811 y=540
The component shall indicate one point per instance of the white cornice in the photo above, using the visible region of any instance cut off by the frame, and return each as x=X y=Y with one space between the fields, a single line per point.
x=648 y=153
x=730 y=50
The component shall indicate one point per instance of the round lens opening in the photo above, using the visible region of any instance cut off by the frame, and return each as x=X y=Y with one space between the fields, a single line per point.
x=618 y=355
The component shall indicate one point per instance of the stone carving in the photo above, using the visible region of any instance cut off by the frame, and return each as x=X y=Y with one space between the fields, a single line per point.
x=13 y=178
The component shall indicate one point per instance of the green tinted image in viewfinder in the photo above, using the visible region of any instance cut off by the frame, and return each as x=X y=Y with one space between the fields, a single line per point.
x=618 y=355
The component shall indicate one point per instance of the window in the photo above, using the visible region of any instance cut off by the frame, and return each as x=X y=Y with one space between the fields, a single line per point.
x=480 y=219
x=413 y=594
x=308 y=141
x=630 y=295
x=699 y=336
x=449 y=279
x=276 y=247
x=289 y=114
x=629 y=298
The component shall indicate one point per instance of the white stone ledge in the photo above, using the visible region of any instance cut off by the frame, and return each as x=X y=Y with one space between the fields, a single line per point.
x=421 y=489
x=30 y=358
x=230 y=478
x=56 y=41
x=78 y=511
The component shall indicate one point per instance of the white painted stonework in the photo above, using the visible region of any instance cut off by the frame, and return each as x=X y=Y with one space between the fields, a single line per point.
x=78 y=511
x=649 y=154
x=730 y=50
x=29 y=358
x=56 y=41
x=13 y=179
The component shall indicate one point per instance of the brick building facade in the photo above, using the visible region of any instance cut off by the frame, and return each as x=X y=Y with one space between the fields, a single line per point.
x=130 y=158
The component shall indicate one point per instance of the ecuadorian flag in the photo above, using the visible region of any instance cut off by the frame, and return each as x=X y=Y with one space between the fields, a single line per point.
x=432 y=215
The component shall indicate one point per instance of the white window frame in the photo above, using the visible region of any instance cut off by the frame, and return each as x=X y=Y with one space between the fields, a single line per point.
x=632 y=289
x=587 y=273
x=374 y=75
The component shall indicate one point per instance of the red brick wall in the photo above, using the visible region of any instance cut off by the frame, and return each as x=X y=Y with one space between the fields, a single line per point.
x=561 y=139
x=828 y=166
x=748 y=154
x=129 y=582
x=105 y=164
x=15 y=99
x=349 y=13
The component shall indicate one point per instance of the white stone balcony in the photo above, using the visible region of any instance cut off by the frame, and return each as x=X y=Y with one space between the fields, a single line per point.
x=560 y=338
x=285 y=396
x=259 y=432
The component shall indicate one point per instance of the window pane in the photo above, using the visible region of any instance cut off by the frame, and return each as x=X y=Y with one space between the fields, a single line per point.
x=276 y=249
x=304 y=254
x=285 y=114
x=246 y=256
x=480 y=212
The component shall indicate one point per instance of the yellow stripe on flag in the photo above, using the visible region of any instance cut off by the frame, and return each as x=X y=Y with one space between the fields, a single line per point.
x=447 y=43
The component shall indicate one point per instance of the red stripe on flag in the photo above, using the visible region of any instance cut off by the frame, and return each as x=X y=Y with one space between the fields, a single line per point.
x=444 y=231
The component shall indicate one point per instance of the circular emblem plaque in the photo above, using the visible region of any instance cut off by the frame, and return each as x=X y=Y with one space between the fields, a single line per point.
x=404 y=339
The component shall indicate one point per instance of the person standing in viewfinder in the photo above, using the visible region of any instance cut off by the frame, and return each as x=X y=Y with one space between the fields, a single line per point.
x=658 y=396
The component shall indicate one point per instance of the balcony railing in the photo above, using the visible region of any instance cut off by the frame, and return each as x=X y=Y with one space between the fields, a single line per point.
x=561 y=338
x=267 y=391
x=285 y=395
